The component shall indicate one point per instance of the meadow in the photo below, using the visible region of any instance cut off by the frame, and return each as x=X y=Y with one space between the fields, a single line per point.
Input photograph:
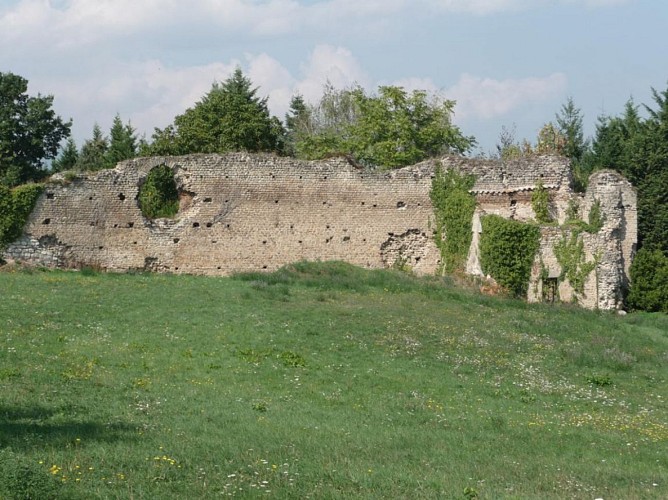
x=322 y=381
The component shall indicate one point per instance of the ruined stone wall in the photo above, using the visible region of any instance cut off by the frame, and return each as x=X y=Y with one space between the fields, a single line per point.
x=241 y=212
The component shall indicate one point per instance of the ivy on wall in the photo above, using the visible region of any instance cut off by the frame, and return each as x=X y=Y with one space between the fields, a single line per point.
x=453 y=209
x=507 y=251
x=158 y=195
x=540 y=202
x=15 y=208
x=571 y=257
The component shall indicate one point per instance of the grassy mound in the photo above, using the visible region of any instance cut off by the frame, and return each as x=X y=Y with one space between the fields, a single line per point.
x=325 y=381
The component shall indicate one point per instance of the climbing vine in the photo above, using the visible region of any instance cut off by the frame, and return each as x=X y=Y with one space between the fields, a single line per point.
x=595 y=219
x=159 y=196
x=507 y=251
x=571 y=257
x=453 y=210
x=540 y=202
x=15 y=208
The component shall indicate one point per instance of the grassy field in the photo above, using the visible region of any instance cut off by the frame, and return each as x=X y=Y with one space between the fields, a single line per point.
x=322 y=381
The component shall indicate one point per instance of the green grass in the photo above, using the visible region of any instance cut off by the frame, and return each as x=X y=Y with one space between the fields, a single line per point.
x=322 y=381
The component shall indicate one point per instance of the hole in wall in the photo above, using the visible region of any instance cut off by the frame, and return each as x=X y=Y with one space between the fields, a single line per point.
x=49 y=196
x=121 y=196
x=227 y=226
x=176 y=240
x=158 y=195
x=46 y=222
x=346 y=238
x=375 y=205
x=264 y=267
x=209 y=224
x=195 y=224
x=207 y=200
x=100 y=247
x=115 y=226
x=401 y=204
x=90 y=198
x=131 y=224
x=264 y=242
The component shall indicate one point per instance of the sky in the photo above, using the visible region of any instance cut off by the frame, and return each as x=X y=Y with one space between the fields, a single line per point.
x=507 y=63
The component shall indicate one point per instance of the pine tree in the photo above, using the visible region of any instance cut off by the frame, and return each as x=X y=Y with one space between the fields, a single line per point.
x=231 y=117
x=93 y=151
x=122 y=143
x=68 y=157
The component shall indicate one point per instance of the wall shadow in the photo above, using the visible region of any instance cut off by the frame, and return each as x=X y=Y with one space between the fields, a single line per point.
x=23 y=428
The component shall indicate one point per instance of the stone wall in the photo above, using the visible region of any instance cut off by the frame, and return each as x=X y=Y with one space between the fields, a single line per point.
x=242 y=212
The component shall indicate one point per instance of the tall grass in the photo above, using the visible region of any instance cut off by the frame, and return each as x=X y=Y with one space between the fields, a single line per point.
x=322 y=381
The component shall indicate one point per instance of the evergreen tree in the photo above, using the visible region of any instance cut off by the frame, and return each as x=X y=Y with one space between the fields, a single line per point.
x=68 y=157
x=231 y=117
x=93 y=152
x=122 y=143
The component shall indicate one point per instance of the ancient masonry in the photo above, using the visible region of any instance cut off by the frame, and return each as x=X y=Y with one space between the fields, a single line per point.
x=242 y=212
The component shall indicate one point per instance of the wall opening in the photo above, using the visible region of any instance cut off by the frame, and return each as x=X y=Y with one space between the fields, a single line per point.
x=550 y=290
x=158 y=195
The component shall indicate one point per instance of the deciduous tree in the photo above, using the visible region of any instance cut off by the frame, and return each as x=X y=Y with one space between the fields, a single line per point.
x=30 y=131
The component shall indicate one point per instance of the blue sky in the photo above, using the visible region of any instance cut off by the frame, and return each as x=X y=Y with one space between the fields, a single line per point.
x=505 y=62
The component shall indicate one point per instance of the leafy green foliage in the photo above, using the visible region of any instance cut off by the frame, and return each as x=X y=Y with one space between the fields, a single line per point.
x=570 y=254
x=30 y=132
x=453 y=211
x=596 y=218
x=540 y=202
x=388 y=130
x=158 y=195
x=507 y=251
x=649 y=281
x=15 y=208
x=229 y=118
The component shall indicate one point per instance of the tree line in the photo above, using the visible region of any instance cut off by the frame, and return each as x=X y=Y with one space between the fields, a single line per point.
x=387 y=129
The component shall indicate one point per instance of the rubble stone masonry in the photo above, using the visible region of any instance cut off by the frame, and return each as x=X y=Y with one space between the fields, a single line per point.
x=245 y=212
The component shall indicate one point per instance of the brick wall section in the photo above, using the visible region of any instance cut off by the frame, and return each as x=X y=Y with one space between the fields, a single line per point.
x=242 y=212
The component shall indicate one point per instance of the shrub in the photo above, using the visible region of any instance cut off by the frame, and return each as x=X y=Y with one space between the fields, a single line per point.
x=649 y=281
x=507 y=251
x=15 y=208
x=158 y=195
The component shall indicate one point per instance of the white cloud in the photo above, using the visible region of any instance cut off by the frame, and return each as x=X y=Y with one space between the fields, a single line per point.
x=487 y=98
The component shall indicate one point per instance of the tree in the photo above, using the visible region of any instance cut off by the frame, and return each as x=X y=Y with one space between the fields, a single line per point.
x=569 y=123
x=389 y=129
x=30 y=131
x=93 y=152
x=229 y=118
x=122 y=143
x=68 y=157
